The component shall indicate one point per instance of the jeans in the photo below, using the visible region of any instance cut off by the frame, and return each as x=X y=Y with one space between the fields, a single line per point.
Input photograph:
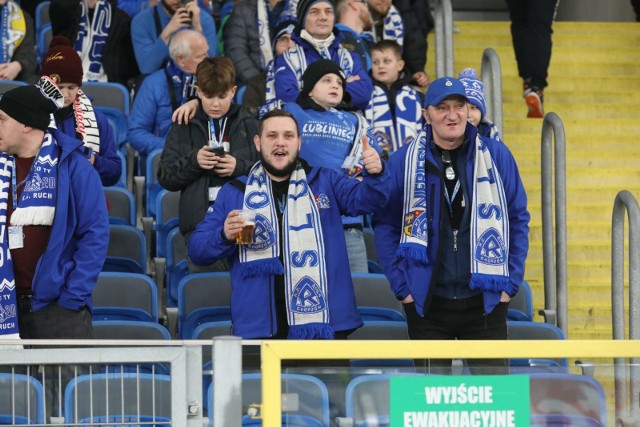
x=356 y=250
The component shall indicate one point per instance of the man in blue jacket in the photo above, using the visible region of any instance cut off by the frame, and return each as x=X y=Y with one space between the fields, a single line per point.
x=316 y=38
x=55 y=229
x=293 y=281
x=454 y=236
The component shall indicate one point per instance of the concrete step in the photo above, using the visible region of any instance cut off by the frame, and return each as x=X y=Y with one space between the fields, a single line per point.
x=626 y=30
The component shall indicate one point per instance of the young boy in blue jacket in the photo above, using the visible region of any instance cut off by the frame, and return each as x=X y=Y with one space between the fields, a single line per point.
x=293 y=280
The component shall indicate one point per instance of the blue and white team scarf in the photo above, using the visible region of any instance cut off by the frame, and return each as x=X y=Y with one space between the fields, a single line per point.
x=393 y=27
x=264 y=37
x=489 y=218
x=305 y=274
x=8 y=300
x=271 y=101
x=398 y=131
x=92 y=38
x=297 y=60
x=13 y=28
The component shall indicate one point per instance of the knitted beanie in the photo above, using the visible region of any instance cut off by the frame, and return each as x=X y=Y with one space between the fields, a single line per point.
x=284 y=26
x=62 y=63
x=303 y=8
x=316 y=70
x=474 y=89
x=29 y=105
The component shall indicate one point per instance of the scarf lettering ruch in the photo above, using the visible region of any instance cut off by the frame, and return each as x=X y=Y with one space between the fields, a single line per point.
x=297 y=60
x=489 y=218
x=37 y=202
x=92 y=38
x=8 y=300
x=264 y=37
x=305 y=275
x=86 y=122
x=408 y=117
x=13 y=29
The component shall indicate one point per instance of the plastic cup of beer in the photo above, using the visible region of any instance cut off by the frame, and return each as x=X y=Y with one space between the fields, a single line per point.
x=245 y=237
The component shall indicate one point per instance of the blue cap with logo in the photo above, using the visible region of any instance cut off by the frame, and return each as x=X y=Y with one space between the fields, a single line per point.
x=443 y=88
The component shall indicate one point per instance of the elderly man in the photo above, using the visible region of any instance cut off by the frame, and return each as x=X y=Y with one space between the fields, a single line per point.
x=153 y=28
x=453 y=238
x=150 y=117
x=316 y=38
x=55 y=217
x=293 y=279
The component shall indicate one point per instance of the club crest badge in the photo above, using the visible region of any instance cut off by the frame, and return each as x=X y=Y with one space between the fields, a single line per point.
x=490 y=248
x=307 y=297
x=415 y=224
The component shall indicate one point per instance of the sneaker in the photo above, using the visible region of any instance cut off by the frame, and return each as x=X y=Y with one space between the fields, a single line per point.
x=533 y=98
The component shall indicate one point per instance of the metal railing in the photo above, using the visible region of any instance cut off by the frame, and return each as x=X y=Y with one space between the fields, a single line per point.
x=443 y=17
x=491 y=72
x=555 y=268
x=625 y=201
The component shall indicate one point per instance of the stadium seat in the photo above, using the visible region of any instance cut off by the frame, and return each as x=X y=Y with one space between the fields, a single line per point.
x=118 y=121
x=176 y=265
x=201 y=298
x=521 y=330
x=152 y=187
x=7 y=85
x=108 y=94
x=209 y=330
x=381 y=330
x=167 y=203
x=373 y=290
x=21 y=400
x=521 y=305
x=126 y=251
x=43 y=40
x=129 y=330
x=42 y=14
x=122 y=205
x=125 y=296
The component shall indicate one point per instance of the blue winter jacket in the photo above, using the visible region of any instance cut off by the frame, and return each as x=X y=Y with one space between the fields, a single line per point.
x=287 y=85
x=410 y=276
x=67 y=271
x=150 y=118
x=151 y=51
x=107 y=162
x=252 y=316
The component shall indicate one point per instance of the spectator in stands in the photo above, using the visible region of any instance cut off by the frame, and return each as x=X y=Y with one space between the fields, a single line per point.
x=333 y=138
x=78 y=118
x=474 y=89
x=316 y=38
x=101 y=34
x=133 y=7
x=395 y=109
x=295 y=283
x=153 y=28
x=531 y=22
x=389 y=24
x=17 y=52
x=248 y=33
x=165 y=90
x=354 y=23
x=56 y=217
x=260 y=92
x=477 y=243
x=188 y=163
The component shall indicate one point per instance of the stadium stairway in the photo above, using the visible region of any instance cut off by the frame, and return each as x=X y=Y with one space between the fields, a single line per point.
x=594 y=87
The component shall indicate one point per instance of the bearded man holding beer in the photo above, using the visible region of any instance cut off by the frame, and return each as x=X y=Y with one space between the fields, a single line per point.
x=292 y=279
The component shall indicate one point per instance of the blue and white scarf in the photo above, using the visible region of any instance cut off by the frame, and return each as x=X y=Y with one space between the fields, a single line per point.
x=92 y=38
x=13 y=28
x=8 y=300
x=489 y=218
x=271 y=101
x=37 y=201
x=393 y=27
x=187 y=82
x=305 y=274
x=264 y=37
x=297 y=60
x=395 y=132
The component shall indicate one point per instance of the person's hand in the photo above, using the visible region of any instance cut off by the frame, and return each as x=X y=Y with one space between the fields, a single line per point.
x=10 y=70
x=179 y=19
x=194 y=15
x=92 y=159
x=353 y=78
x=504 y=297
x=421 y=78
x=408 y=299
x=207 y=159
x=185 y=112
x=370 y=158
x=226 y=165
x=233 y=225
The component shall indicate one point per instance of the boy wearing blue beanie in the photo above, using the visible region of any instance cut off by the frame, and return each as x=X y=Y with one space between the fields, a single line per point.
x=474 y=88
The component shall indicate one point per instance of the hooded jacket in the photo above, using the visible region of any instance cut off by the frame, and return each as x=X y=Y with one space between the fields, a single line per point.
x=252 y=299
x=179 y=169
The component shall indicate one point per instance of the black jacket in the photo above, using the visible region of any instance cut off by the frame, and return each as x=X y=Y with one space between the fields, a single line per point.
x=418 y=22
x=118 y=59
x=179 y=169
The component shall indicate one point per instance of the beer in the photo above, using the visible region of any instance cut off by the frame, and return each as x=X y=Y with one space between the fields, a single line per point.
x=245 y=237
